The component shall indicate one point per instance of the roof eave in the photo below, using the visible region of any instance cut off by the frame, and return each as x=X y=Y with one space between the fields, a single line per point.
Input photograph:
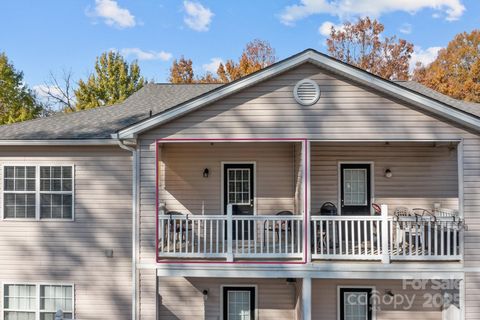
x=59 y=142
x=358 y=75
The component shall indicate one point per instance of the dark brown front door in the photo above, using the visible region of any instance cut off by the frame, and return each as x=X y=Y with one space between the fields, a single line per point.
x=355 y=189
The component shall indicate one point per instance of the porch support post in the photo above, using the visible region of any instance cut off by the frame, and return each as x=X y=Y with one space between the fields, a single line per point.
x=306 y=199
x=229 y=233
x=385 y=251
x=307 y=298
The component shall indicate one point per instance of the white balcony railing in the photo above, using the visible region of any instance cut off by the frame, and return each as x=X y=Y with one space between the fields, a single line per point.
x=230 y=237
x=387 y=237
x=243 y=237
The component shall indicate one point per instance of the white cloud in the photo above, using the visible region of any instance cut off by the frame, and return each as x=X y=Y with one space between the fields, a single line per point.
x=113 y=14
x=326 y=27
x=42 y=89
x=146 y=55
x=425 y=57
x=197 y=16
x=406 y=28
x=348 y=8
x=212 y=66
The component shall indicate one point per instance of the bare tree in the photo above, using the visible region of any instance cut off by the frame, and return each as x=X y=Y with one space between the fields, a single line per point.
x=59 y=91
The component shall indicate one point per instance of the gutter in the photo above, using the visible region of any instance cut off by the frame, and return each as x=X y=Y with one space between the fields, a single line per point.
x=135 y=176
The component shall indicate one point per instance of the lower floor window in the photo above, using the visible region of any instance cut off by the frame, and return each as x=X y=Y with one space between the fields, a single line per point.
x=238 y=303
x=355 y=304
x=32 y=302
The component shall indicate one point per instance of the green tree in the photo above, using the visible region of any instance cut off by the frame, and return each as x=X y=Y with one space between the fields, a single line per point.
x=114 y=81
x=456 y=70
x=17 y=101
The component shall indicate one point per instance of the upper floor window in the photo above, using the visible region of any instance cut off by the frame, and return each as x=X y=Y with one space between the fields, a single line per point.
x=38 y=192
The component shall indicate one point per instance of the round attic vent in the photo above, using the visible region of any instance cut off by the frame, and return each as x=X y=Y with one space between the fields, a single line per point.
x=306 y=92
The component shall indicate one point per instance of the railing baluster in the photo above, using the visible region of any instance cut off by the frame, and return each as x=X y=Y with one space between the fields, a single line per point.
x=162 y=233
x=340 y=236
x=448 y=224
x=359 y=237
x=334 y=240
x=442 y=238
x=454 y=240
x=199 y=235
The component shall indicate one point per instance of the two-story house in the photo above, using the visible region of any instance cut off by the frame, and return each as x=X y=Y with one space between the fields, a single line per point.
x=308 y=190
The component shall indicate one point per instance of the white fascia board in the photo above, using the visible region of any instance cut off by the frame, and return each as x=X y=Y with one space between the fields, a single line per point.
x=73 y=142
x=325 y=62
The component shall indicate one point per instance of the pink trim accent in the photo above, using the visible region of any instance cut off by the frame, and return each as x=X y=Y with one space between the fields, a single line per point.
x=304 y=142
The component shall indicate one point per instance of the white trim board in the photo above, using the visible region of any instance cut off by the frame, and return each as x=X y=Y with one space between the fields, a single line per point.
x=312 y=56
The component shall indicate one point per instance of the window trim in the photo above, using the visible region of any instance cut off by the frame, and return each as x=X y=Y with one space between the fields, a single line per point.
x=37 y=294
x=365 y=287
x=239 y=285
x=37 y=191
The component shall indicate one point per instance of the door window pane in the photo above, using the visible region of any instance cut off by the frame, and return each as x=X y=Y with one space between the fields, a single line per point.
x=239 y=307
x=355 y=306
x=355 y=187
x=238 y=186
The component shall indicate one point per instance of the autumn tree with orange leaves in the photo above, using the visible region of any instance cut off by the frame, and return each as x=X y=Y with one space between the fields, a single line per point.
x=456 y=70
x=363 y=45
x=257 y=55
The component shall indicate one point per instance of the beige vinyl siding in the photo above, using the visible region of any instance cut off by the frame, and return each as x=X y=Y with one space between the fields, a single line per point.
x=147 y=308
x=183 y=187
x=182 y=298
x=345 y=111
x=74 y=251
x=325 y=300
x=423 y=173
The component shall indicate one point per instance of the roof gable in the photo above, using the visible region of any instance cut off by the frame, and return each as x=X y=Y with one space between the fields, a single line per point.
x=402 y=93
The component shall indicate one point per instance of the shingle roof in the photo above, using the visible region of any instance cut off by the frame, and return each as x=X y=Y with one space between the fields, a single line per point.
x=101 y=122
x=468 y=107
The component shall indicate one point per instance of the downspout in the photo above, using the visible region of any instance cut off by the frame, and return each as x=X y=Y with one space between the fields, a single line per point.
x=134 y=222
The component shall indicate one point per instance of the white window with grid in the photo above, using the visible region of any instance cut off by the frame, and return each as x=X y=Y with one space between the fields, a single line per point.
x=37 y=301
x=20 y=302
x=19 y=192
x=239 y=307
x=239 y=184
x=355 y=305
x=355 y=187
x=53 y=298
x=38 y=192
x=56 y=186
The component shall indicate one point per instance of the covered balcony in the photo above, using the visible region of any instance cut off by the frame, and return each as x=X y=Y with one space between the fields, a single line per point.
x=296 y=201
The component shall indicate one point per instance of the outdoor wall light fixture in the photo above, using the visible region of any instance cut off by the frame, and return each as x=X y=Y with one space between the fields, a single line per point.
x=388 y=173
x=206 y=172
x=389 y=292
x=205 y=294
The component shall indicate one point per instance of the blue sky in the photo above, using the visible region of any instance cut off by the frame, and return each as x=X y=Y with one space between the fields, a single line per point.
x=50 y=35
